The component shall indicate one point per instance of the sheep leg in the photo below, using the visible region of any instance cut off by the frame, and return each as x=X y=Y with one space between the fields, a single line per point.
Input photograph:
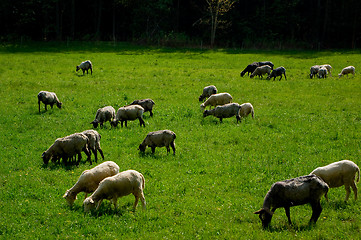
x=39 y=105
x=173 y=147
x=280 y=78
x=136 y=201
x=101 y=152
x=115 y=200
x=220 y=119
x=98 y=205
x=45 y=107
x=285 y=76
x=348 y=191
x=141 y=121
x=316 y=211
x=142 y=199
x=121 y=123
x=287 y=210
x=95 y=154
x=151 y=113
x=354 y=188
x=51 y=105
x=153 y=149
x=79 y=158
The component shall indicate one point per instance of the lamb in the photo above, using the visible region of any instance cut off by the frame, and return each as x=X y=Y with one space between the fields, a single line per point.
x=161 y=138
x=85 y=66
x=322 y=72
x=338 y=174
x=225 y=111
x=207 y=92
x=94 y=143
x=147 y=104
x=314 y=70
x=347 y=70
x=129 y=113
x=328 y=67
x=293 y=192
x=103 y=115
x=250 y=68
x=48 y=98
x=260 y=71
x=217 y=99
x=89 y=180
x=67 y=147
x=268 y=63
x=246 y=109
x=277 y=72
x=119 y=185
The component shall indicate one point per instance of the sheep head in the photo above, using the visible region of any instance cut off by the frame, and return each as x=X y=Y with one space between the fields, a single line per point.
x=88 y=204
x=265 y=215
x=95 y=123
x=142 y=147
x=46 y=157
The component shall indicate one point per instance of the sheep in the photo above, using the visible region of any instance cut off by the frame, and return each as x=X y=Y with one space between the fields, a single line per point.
x=261 y=70
x=94 y=142
x=246 y=109
x=277 y=72
x=85 y=66
x=103 y=115
x=217 y=99
x=131 y=113
x=67 y=147
x=347 y=70
x=147 y=104
x=48 y=98
x=225 y=111
x=250 y=68
x=328 y=67
x=207 y=92
x=89 y=180
x=322 y=72
x=293 y=192
x=338 y=174
x=161 y=138
x=314 y=70
x=268 y=63
x=119 y=185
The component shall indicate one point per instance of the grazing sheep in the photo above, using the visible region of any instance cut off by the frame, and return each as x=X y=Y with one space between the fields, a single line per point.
x=277 y=72
x=147 y=104
x=225 y=111
x=48 y=98
x=347 y=70
x=103 y=115
x=217 y=99
x=161 y=138
x=250 y=68
x=314 y=71
x=328 y=67
x=340 y=173
x=94 y=143
x=89 y=180
x=246 y=109
x=293 y=192
x=85 y=66
x=260 y=71
x=207 y=92
x=119 y=185
x=129 y=113
x=322 y=72
x=67 y=147
x=268 y=63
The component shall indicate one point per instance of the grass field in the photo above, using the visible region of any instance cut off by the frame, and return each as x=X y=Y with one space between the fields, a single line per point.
x=220 y=173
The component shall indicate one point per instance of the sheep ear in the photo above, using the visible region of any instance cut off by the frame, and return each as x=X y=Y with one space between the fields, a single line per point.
x=259 y=211
x=91 y=201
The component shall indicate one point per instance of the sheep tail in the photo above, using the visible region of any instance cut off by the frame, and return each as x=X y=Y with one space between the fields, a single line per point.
x=358 y=176
x=143 y=181
x=252 y=112
x=174 y=137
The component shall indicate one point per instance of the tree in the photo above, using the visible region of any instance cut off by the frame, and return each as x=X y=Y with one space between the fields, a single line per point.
x=217 y=8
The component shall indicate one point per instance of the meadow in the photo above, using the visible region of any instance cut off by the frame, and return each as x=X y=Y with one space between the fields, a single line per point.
x=220 y=173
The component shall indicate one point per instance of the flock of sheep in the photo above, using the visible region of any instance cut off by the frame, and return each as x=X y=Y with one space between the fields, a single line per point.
x=106 y=182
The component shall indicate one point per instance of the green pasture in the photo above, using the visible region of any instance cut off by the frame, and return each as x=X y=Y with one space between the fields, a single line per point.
x=220 y=172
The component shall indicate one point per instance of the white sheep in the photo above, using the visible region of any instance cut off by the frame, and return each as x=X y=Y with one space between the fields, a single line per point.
x=94 y=143
x=103 y=115
x=246 y=109
x=147 y=104
x=314 y=70
x=225 y=111
x=85 y=66
x=89 y=180
x=217 y=99
x=260 y=71
x=322 y=72
x=119 y=185
x=338 y=174
x=48 y=98
x=328 y=67
x=161 y=138
x=67 y=147
x=347 y=70
x=293 y=192
x=129 y=113
x=207 y=92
